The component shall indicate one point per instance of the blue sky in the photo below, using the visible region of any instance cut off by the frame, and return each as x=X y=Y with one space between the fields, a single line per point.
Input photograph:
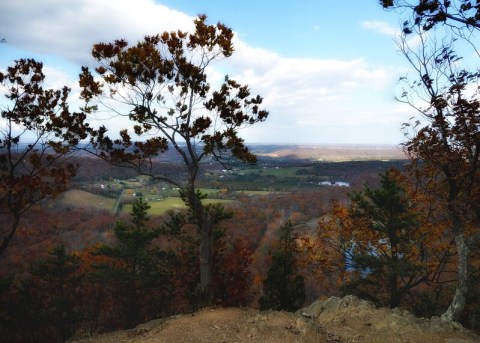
x=305 y=28
x=327 y=69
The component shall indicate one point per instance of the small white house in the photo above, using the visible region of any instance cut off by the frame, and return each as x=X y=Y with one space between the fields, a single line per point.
x=336 y=184
x=342 y=184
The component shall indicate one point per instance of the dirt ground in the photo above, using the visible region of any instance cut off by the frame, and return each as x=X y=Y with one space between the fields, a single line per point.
x=333 y=320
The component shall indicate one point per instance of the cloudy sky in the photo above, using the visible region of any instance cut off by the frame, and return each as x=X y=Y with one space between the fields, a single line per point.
x=327 y=70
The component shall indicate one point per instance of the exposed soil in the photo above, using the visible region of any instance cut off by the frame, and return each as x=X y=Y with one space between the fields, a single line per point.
x=334 y=320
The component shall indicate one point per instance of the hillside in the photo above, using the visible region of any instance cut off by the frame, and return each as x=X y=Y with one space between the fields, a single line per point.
x=332 y=153
x=333 y=320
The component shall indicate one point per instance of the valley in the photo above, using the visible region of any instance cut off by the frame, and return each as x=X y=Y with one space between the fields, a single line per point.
x=280 y=169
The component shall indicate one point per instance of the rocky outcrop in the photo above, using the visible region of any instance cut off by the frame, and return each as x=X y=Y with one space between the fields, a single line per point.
x=351 y=319
x=332 y=320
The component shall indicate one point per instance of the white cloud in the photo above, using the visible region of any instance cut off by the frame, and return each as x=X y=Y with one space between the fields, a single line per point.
x=56 y=79
x=380 y=27
x=313 y=100
x=310 y=100
x=70 y=28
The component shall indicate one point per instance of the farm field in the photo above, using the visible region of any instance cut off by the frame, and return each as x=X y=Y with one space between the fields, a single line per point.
x=219 y=186
x=159 y=207
x=278 y=172
x=81 y=199
x=75 y=198
x=247 y=192
x=170 y=203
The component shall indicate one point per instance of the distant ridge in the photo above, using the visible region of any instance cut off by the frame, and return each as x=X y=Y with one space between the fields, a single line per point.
x=316 y=152
x=331 y=152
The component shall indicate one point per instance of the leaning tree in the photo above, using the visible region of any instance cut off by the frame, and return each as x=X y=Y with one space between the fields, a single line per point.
x=38 y=134
x=160 y=84
x=444 y=91
x=445 y=143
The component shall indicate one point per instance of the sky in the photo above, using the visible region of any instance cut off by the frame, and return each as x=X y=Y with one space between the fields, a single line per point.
x=327 y=70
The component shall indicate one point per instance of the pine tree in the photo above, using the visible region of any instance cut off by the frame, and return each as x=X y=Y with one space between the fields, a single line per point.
x=140 y=268
x=55 y=287
x=283 y=288
x=382 y=256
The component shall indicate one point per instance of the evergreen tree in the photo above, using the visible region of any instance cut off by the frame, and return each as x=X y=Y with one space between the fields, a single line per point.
x=283 y=288
x=50 y=296
x=381 y=257
x=138 y=267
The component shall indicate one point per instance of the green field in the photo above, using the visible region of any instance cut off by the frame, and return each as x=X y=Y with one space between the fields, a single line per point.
x=254 y=192
x=171 y=203
x=209 y=191
x=159 y=207
x=75 y=198
x=277 y=172
x=217 y=201
x=82 y=199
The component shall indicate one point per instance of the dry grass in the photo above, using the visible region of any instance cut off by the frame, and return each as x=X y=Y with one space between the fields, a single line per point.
x=81 y=199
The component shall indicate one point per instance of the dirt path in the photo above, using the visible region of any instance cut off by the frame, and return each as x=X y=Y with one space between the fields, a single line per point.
x=333 y=320
x=215 y=326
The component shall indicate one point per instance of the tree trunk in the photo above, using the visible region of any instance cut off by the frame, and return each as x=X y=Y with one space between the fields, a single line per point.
x=205 y=226
x=458 y=302
x=395 y=293
x=6 y=240
x=206 y=263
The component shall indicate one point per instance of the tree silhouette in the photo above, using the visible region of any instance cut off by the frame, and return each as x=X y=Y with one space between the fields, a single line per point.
x=161 y=85
x=38 y=134
x=429 y=13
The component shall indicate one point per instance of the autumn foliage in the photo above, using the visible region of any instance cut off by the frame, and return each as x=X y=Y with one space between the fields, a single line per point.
x=408 y=240
x=388 y=245
x=39 y=133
